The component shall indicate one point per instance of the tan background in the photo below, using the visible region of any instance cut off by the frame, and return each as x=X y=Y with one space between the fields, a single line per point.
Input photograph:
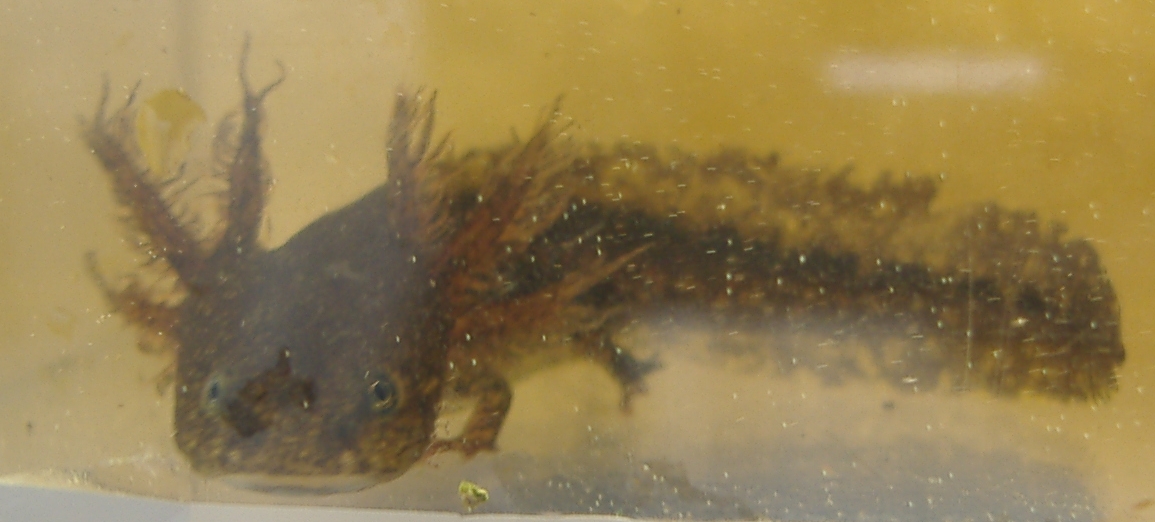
x=1070 y=135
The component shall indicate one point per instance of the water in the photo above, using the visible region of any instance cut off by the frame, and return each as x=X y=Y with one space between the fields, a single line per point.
x=1047 y=110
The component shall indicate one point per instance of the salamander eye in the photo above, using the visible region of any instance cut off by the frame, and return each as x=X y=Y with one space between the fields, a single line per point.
x=383 y=394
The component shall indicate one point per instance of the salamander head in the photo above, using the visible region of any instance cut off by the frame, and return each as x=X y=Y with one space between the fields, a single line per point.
x=314 y=370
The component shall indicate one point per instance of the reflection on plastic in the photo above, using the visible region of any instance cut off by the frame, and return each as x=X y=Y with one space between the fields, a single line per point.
x=930 y=73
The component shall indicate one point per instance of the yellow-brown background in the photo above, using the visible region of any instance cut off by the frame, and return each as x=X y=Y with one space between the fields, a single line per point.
x=1076 y=144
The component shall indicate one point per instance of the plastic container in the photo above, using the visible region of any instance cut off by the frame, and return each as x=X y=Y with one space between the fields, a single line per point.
x=1044 y=108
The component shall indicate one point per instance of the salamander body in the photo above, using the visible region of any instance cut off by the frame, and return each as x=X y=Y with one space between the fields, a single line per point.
x=322 y=364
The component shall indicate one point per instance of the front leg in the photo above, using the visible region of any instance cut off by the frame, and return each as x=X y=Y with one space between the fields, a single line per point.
x=493 y=399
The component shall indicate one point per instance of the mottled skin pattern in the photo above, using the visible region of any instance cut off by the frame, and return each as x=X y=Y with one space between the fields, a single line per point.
x=328 y=356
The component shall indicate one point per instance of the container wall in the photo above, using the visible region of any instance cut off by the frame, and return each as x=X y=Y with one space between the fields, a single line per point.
x=1042 y=107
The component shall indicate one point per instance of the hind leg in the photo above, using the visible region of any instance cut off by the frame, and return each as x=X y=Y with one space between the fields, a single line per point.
x=599 y=346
